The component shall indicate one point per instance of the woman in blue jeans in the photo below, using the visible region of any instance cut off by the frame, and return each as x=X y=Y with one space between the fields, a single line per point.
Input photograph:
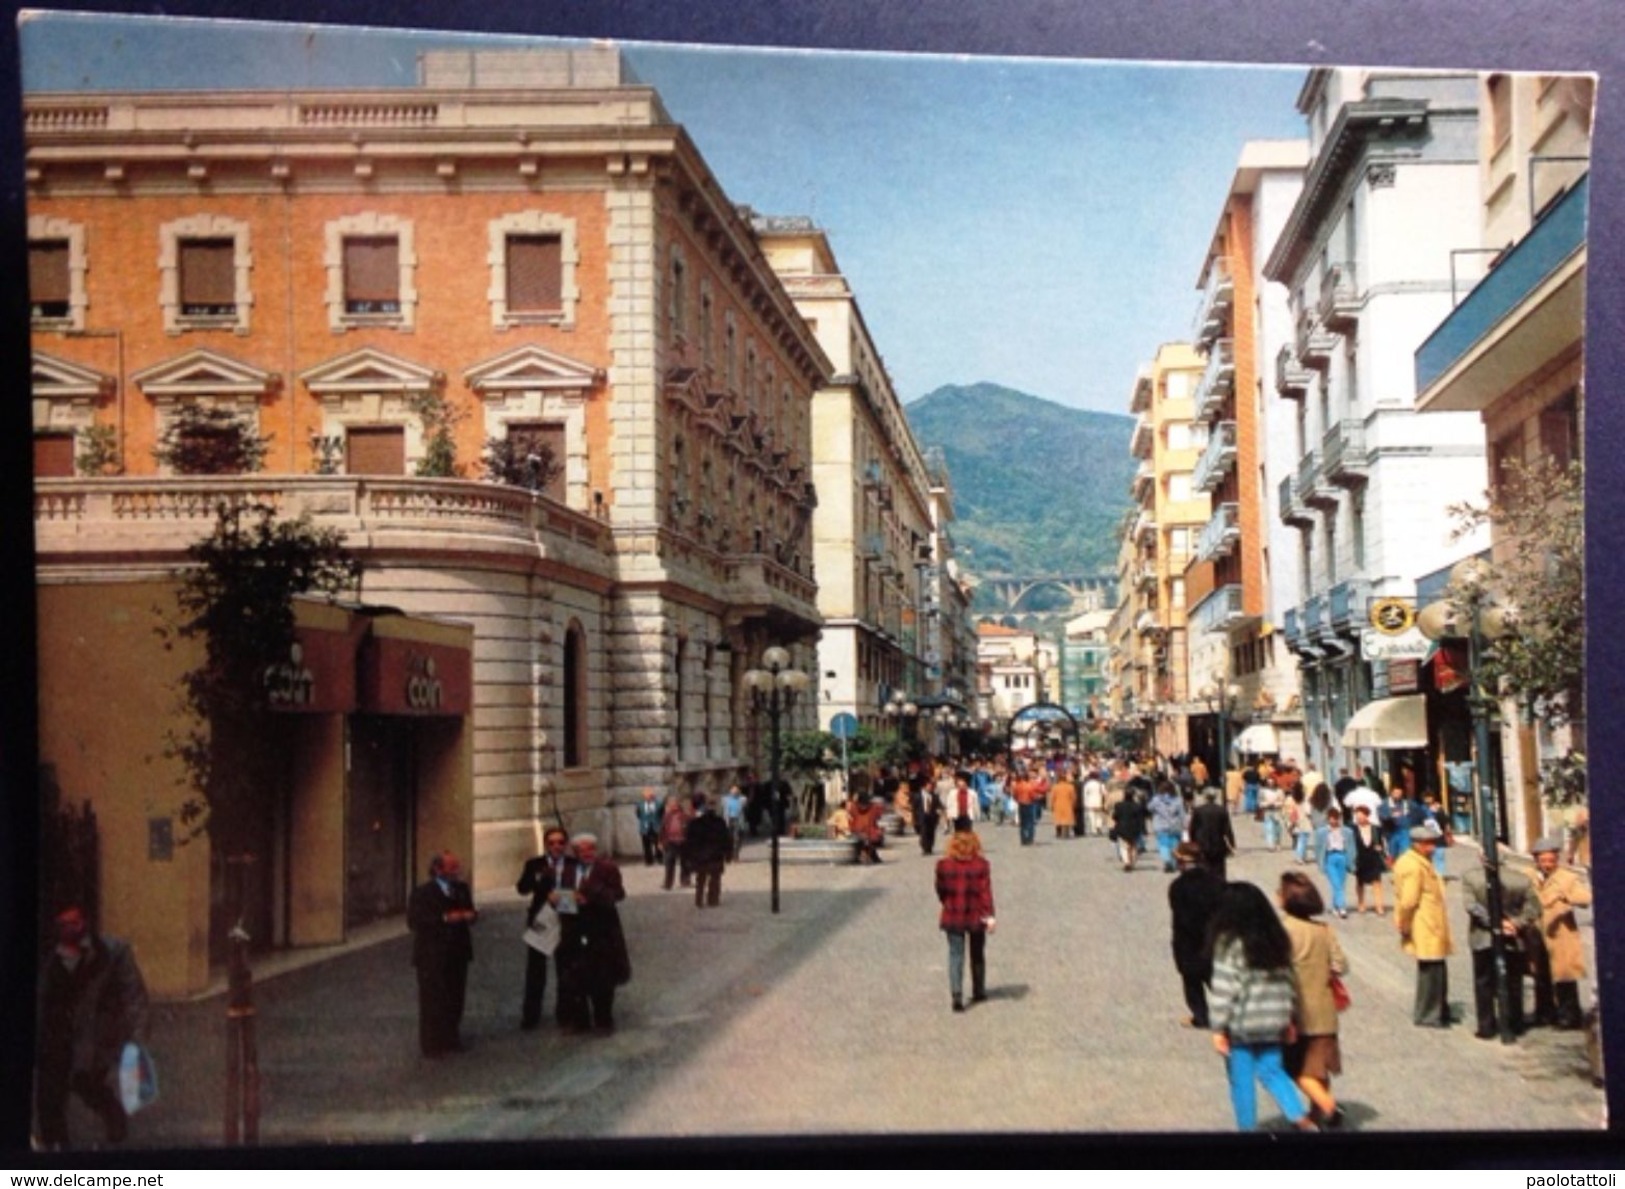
x=1335 y=844
x=1251 y=1002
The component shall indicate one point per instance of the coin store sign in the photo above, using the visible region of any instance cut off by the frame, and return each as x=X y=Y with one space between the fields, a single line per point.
x=1410 y=645
x=1392 y=617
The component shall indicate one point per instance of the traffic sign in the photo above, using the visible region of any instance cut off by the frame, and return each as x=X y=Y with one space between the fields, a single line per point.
x=844 y=726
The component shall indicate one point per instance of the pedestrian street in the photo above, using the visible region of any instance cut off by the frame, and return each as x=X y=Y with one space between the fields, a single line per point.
x=833 y=1017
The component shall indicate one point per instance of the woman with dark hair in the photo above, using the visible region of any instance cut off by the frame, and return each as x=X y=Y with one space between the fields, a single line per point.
x=1370 y=857
x=1314 y=1055
x=1250 y=1009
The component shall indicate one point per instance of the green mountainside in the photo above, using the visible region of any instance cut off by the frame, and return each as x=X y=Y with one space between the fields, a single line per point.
x=1039 y=488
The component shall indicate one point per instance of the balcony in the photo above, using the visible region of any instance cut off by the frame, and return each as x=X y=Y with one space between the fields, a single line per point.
x=1220 y=611
x=1218 y=380
x=1145 y=526
x=1339 y=299
x=1529 y=307
x=1218 y=460
x=1140 y=443
x=1213 y=315
x=1220 y=534
x=1315 y=343
x=1346 y=604
x=1293 y=510
x=1317 y=626
x=1292 y=628
x=1145 y=575
x=1292 y=379
x=1312 y=486
x=1142 y=482
x=1343 y=447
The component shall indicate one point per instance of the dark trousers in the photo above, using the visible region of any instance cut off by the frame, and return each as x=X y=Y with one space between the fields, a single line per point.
x=651 y=848
x=708 y=883
x=928 y=833
x=1027 y=816
x=676 y=864
x=441 y=988
x=1196 y=996
x=53 y=1085
x=1555 y=1003
x=586 y=996
x=1432 y=994
x=535 y=987
x=1484 y=1004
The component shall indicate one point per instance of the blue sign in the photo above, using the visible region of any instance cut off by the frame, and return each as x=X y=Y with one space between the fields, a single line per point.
x=844 y=726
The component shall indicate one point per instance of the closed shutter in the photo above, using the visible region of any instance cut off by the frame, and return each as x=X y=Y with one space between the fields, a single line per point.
x=535 y=274
x=547 y=438
x=372 y=275
x=375 y=450
x=208 y=277
x=48 y=287
x=53 y=456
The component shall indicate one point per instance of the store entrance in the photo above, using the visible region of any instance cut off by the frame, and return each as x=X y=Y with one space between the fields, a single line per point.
x=378 y=817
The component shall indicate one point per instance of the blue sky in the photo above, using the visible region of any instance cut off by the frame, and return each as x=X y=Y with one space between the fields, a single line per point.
x=1034 y=223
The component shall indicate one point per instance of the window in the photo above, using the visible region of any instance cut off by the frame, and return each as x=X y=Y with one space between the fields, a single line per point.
x=533 y=257
x=1560 y=430
x=707 y=329
x=48 y=279
x=371 y=264
x=1500 y=107
x=208 y=288
x=53 y=456
x=535 y=274
x=1176 y=594
x=677 y=307
x=204 y=264
x=375 y=450
x=372 y=275
x=730 y=352
x=1179 y=435
x=575 y=697
x=1357 y=527
x=1179 y=487
x=1331 y=549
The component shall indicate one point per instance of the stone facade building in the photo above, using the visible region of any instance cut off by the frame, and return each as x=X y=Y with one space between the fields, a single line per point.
x=524 y=249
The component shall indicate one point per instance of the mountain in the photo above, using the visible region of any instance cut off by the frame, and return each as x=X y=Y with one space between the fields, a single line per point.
x=1039 y=488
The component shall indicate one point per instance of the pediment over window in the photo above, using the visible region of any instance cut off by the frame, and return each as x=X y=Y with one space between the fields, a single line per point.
x=370 y=371
x=531 y=368
x=205 y=373
x=57 y=379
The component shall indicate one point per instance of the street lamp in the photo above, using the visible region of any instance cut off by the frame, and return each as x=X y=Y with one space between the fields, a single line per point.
x=774 y=690
x=1469 y=609
x=1221 y=697
x=898 y=709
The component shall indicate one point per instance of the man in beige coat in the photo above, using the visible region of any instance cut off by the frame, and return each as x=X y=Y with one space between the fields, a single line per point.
x=1560 y=962
x=1424 y=929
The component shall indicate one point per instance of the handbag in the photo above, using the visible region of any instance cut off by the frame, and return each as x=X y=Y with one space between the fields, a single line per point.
x=1340 y=992
x=137 y=1078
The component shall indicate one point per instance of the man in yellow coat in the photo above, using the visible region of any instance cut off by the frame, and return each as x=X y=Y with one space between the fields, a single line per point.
x=1560 y=961
x=1424 y=929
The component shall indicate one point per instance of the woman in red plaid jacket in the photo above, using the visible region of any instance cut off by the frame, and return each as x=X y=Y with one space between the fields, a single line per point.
x=965 y=887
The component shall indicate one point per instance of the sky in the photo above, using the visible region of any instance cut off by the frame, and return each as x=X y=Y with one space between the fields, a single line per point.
x=1038 y=224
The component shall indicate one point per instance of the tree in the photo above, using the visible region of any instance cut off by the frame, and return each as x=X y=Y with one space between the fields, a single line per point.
x=440 y=421
x=238 y=600
x=1537 y=513
x=519 y=462
x=203 y=440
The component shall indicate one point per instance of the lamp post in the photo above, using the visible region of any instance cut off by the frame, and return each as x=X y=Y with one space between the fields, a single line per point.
x=774 y=690
x=899 y=709
x=1469 y=609
x=1221 y=698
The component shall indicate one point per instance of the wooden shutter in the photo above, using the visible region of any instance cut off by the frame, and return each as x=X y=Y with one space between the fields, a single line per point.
x=208 y=276
x=48 y=287
x=372 y=275
x=542 y=436
x=375 y=450
x=53 y=456
x=535 y=274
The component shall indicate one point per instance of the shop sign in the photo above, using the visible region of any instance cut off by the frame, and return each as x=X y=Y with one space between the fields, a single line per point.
x=413 y=677
x=1392 y=617
x=1410 y=645
x=318 y=676
x=1404 y=676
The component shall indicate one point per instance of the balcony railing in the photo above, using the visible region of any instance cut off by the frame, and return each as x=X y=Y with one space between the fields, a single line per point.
x=1220 y=610
x=1213 y=315
x=1339 y=298
x=1218 y=380
x=1140 y=443
x=1292 y=509
x=1145 y=574
x=1292 y=379
x=1344 y=449
x=1312 y=486
x=1218 y=460
x=1346 y=603
x=1316 y=625
x=1145 y=525
x=1142 y=480
x=1219 y=536
x=1314 y=342
x=1292 y=627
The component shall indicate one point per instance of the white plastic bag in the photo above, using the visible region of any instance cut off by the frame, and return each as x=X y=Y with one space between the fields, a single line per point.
x=137 y=1078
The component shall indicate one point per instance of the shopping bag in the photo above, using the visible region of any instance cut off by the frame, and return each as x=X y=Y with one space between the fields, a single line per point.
x=137 y=1078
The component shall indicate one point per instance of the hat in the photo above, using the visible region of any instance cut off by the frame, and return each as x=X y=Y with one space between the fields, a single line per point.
x=1426 y=832
x=1549 y=843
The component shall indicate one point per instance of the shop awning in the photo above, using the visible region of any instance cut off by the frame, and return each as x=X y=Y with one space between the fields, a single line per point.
x=1260 y=739
x=1389 y=724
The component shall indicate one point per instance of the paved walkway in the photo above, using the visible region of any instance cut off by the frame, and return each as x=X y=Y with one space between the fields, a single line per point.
x=833 y=1017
